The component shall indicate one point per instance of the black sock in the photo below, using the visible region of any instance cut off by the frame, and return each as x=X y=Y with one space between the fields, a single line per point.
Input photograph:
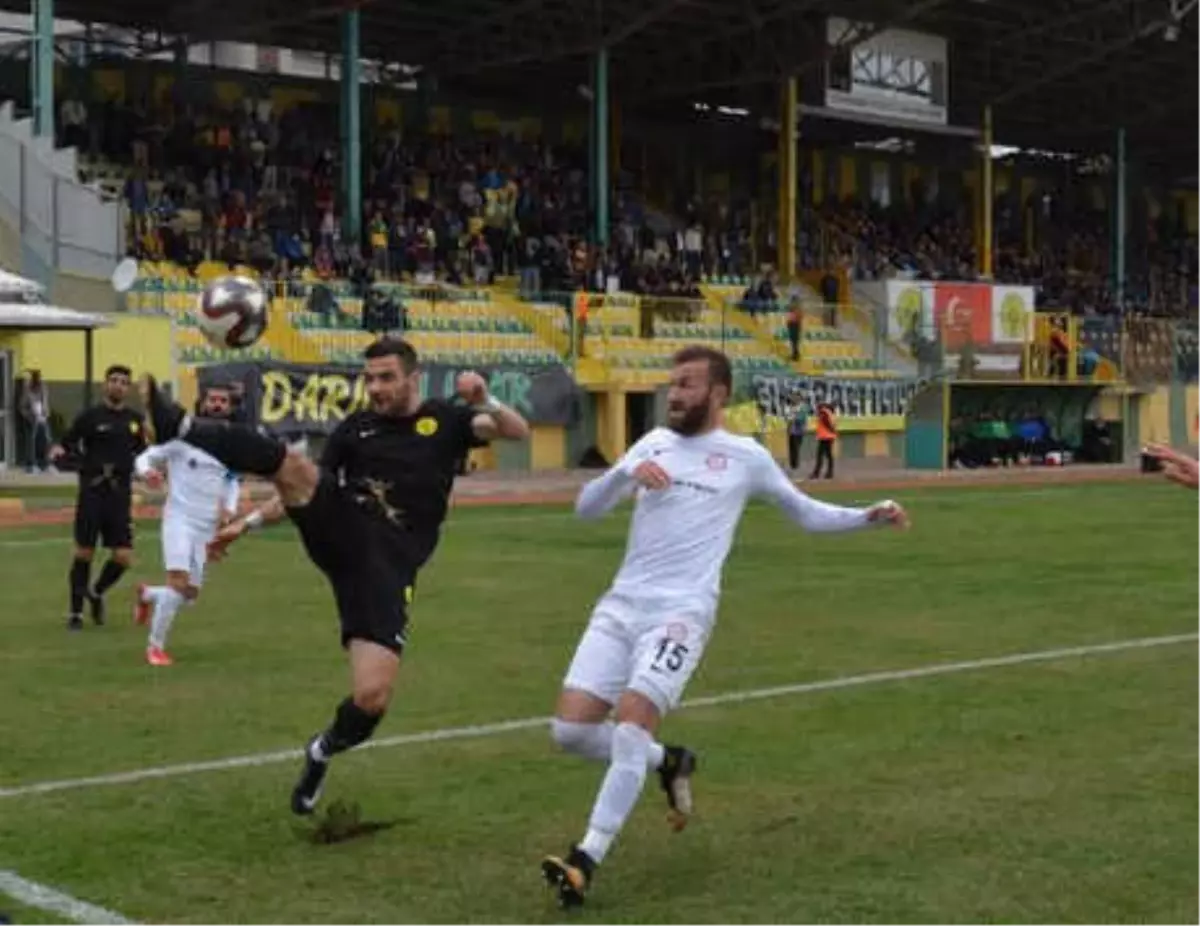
x=351 y=726
x=81 y=571
x=110 y=574
x=240 y=447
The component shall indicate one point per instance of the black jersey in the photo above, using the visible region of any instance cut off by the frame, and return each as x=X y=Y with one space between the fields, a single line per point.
x=106 y=440
x=404 y=467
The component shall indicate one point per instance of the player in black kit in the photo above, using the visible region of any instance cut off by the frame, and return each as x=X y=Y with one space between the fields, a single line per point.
x=369 y=515
x=107 y=438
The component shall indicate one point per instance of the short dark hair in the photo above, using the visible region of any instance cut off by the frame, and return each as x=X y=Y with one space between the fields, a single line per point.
x=720 y=373
x=393 y=347
x=118 y=369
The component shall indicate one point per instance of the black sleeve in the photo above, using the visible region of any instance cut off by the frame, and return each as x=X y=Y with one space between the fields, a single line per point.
x=336 y=453
x=80 y=428
x=463 y=417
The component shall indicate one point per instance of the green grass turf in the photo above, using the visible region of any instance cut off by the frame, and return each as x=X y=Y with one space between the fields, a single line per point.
x=1062 y=791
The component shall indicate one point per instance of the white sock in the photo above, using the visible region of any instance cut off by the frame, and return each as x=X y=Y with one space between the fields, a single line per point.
x=167 y=602
x=594 y=741
x=620 y=790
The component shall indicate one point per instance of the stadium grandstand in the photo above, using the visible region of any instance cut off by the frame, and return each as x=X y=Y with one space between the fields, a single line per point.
x=854 y=200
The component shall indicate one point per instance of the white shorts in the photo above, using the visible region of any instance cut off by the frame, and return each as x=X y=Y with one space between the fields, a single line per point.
x=639 y=644
x=185 y=549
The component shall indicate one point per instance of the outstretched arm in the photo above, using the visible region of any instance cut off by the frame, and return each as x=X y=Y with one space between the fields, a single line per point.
x=1178 y=467
x=821 y=517
x=264 y=514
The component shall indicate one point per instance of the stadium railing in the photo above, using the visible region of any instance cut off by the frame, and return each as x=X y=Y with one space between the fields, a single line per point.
x=331 y=322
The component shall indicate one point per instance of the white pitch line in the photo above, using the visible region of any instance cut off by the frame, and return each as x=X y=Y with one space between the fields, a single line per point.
x=48 y=900
x=493 y=729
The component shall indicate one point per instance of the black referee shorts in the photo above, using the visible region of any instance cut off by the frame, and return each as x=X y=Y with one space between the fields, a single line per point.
x=353 y=545
x=104 y=512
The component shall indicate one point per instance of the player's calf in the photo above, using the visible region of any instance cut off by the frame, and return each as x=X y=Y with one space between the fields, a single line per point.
x=79 y=578
x=110 y=574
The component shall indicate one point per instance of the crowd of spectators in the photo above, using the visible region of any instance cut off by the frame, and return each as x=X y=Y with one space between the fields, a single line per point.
x=254 y=186
x=1062 y=247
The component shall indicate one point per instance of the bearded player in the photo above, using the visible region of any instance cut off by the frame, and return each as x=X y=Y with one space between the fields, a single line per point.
x=369 y=516
x=646 y=636
x=201 y=495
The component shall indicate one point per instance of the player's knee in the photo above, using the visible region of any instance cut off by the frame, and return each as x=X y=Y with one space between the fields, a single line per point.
x=570 y=736
x=373 y=697
x=123 y=557
x=178 y=583
x=84 y=554
x=296 y=479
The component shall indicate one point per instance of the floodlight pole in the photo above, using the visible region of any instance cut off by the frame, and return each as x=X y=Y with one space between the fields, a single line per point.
x=351 y=113
x=1119 y=222
x=600 y=154
x=41 y=69
x=988 y=195
x=787 y=178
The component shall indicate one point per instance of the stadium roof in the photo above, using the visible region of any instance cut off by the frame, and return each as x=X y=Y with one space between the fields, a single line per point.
x=1059 y=73
x=28 y=317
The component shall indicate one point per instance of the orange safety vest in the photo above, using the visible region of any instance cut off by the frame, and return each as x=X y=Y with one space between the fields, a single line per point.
x=581 y=306
x=826 y=425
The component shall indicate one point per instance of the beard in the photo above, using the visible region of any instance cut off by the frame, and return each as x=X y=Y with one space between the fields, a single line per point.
x=688 y=420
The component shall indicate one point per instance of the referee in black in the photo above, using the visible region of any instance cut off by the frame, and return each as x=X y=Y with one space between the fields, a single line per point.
x=105 y=439
x=369 y=516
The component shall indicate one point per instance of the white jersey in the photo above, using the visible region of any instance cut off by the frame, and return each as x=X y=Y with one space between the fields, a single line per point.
x=680 y=537
x=199 y=487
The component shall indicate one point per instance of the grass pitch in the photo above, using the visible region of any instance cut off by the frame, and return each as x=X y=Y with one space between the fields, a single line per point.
x=1054 y=791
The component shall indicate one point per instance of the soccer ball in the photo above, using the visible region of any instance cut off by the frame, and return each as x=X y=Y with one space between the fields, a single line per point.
x=232 y=312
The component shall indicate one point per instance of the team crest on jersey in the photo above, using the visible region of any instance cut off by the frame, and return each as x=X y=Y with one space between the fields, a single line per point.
x=717 y=462
x=677 y=632
x=426 y=427
x=134 y=427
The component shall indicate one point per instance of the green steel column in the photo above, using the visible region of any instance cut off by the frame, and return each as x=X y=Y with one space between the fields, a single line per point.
x=600 y=135
x=1119 y=222
x=41 y=68
x=351 y=128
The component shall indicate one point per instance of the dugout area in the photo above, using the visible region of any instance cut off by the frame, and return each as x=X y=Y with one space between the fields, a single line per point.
x=937 y=411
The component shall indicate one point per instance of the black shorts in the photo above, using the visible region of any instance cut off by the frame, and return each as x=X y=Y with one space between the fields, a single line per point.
x=372 y=579
x=104 y=512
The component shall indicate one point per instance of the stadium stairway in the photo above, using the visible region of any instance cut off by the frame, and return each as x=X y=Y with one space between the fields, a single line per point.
x=824 y=350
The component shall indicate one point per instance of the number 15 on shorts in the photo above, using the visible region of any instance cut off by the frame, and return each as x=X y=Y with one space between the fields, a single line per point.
x=667 y=657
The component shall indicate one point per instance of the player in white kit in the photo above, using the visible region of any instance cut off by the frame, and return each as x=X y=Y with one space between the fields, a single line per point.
x=201 y=494
x=646 y=636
